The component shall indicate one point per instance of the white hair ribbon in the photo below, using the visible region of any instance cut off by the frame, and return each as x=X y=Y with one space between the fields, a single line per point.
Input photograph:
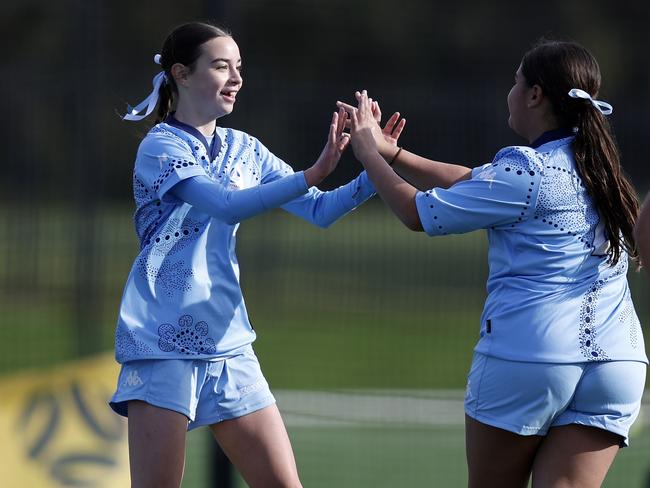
x=150 y=102
x=603 y=107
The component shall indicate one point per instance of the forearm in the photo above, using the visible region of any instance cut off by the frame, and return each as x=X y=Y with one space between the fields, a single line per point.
x=425 y=173
x=398 y=194
x=232 y=206
x=323 y=208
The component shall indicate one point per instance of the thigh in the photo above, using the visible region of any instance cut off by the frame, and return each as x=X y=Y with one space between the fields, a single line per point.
x=258 y=445
x=156 y=446
x=574 y=455
x=496 y=457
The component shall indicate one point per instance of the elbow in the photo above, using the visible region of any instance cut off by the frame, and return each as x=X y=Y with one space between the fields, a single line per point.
x=413 y=223
x=324 y=223
x=411 y=218
x=322 y=219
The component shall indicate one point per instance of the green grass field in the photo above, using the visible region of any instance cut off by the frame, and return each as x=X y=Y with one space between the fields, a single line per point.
x=365 y=305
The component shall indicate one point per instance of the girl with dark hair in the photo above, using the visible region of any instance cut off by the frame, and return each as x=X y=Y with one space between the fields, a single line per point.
x=559 y=369
x=183 y=335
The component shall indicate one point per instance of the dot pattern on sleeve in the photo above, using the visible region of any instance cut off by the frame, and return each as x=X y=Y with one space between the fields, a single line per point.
x=171 y=166
x=523 y=162
x=186 y=337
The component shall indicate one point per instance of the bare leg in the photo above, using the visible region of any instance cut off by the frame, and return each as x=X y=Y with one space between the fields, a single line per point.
x=498 y=458
x=156 y=446
x=258 y=445
x=574 y=456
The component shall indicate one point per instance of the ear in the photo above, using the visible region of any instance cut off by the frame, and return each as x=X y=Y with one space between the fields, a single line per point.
x=180 y=73
x=535 y=96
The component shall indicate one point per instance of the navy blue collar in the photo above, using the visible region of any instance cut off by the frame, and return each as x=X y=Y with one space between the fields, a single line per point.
x=211 y=149
x=552 y=135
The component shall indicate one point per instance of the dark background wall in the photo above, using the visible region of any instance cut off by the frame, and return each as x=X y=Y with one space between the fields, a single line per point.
x=71 y=67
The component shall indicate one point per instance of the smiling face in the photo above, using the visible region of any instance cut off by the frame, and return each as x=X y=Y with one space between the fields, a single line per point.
x=211 y=88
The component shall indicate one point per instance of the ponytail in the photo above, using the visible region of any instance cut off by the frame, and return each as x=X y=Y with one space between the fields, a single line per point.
x=165 y=100
x=598 y=162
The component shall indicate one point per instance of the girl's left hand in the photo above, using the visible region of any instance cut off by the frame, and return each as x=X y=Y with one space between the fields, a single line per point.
x=392 y=130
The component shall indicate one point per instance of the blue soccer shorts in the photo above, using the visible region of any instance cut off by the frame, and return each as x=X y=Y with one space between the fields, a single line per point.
x=530 y=398
x=206 y=392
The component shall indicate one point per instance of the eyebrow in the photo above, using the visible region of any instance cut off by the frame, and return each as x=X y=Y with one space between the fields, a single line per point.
x=224 y=60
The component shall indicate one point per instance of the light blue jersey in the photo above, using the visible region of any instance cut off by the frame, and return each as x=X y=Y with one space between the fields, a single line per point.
x=183 y=298
x=552 y=295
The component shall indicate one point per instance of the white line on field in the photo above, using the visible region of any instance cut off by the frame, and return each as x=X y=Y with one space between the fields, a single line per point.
x=384 y=408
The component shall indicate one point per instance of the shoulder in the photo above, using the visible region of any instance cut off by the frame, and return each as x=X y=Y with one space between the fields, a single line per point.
x=519 y=158
x=162 y=139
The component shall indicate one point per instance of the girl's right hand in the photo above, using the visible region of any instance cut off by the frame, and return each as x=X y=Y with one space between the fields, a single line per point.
x=337 y=141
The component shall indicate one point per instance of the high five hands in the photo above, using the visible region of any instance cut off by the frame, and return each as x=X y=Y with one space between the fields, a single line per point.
x=385 y=139
x=367 y=135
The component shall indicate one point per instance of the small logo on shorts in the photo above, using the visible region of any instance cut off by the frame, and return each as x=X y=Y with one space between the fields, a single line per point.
x=133 y=379
x=246 y=390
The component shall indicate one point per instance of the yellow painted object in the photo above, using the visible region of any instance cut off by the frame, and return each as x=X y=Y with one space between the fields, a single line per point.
x=56 y=428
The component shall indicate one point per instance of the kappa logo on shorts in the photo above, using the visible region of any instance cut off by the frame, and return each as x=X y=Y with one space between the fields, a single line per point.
x=133 y=379
x=257 y=386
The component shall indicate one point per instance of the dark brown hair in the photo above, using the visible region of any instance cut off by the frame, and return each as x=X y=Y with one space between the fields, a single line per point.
x=557 y=67
x=182 y=45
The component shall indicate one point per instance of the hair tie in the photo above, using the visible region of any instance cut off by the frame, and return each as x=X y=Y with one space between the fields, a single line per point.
x=603 y=107
x=148 y=103
x=156 y=59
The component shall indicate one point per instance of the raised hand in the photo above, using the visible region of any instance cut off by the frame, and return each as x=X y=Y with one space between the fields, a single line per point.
x=394 y=126
x=362 y=125
x=386 y=138
x=337 y=141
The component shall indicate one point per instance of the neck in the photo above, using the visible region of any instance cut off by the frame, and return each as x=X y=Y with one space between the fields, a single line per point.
x=205 y=124
x=542 y=120
x=538 y=131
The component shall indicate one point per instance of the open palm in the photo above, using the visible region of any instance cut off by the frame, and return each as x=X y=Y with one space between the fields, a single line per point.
x=393 y=128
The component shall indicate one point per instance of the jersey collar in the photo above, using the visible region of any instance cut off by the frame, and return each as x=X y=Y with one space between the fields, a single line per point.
x=211 y=149
x=552 y=135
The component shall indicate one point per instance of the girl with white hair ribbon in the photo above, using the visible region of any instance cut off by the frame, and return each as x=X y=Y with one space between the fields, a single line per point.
x=183 y=334
x=559 y=370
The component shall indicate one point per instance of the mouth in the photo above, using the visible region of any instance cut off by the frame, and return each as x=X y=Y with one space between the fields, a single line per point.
x=229 y=95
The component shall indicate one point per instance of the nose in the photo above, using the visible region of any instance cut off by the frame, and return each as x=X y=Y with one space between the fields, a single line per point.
x=235 y=77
